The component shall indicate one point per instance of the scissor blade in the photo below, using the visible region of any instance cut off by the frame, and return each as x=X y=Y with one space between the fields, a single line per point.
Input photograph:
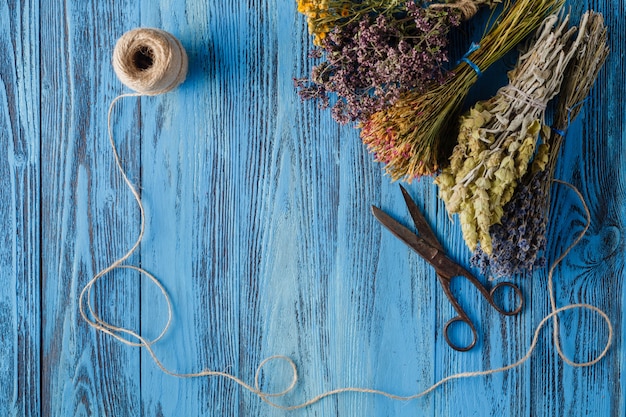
x=420 y=221
x=419 y=245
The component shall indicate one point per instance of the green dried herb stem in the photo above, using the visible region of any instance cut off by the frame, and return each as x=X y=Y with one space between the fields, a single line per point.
x=409 y=136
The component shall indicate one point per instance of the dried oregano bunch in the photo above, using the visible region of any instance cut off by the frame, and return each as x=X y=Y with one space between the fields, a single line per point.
x=370 y=52
x=366 y=64
x=410 y=136
x=497 y=137
x=519 y=239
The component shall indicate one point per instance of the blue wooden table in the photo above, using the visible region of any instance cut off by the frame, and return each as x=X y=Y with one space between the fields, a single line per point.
x=259 y=228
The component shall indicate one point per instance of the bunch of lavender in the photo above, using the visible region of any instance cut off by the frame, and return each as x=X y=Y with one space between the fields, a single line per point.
x=370 y=62
x=520 y=237
x=518 y=241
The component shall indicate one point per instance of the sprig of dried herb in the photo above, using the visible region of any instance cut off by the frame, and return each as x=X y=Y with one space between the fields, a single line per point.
x=497 y=138
x=410 y=136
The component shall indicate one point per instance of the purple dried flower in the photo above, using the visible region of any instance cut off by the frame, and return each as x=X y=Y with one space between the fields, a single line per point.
x=519 y=240
x=371 y=62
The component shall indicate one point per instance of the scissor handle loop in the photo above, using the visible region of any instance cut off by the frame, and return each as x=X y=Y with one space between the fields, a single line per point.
x=518 y=296
x=453 y=345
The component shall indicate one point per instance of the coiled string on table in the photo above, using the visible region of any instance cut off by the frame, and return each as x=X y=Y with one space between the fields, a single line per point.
x=152 y=62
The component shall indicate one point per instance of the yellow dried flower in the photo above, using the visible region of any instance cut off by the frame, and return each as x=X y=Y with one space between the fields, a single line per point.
x=540 y=161
x=324 y=15
x=468 y=226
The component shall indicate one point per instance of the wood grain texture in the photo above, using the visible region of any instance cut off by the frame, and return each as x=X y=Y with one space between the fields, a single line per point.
x=19 y=210
x=259 y=227
x=86 y=222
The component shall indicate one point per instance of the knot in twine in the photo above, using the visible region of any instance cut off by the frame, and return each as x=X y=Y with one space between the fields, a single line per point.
x=466 y=8
x=150 y=61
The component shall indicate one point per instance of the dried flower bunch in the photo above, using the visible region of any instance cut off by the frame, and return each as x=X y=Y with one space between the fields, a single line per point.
x=412 y=136
x=580 y=76
x=519 y=239
x=497 y=137
x=372 y=58
x=324 y=15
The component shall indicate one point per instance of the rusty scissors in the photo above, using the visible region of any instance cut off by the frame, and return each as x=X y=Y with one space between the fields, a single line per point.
x=429 y=248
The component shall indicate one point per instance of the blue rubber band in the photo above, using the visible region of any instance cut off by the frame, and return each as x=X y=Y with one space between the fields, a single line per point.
x=571 y=109
x=473 y=47
x=569 y=117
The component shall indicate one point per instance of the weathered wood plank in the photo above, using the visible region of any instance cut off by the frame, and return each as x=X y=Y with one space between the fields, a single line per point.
x=88 y=219
x=192 y=191
x=20 y=294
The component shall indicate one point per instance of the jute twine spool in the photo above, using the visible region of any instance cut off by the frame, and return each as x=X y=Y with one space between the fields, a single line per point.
x=150 y=61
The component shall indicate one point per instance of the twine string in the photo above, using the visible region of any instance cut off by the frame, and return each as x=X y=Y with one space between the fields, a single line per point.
x=467 y=8
x=150 y=61
x=523 y=97
x=132 y=338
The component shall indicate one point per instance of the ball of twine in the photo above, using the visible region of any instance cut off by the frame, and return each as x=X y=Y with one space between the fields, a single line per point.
x=150 y=61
